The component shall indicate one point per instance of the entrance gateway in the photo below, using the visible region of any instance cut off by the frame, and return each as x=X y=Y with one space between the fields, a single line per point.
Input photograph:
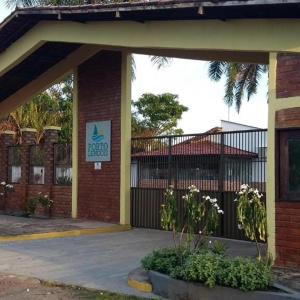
x=41 y=45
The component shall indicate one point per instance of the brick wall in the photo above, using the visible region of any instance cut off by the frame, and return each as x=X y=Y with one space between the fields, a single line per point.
x=288 y=234
x=99 y=93
x=288 y=76
x=16 y=202
x=287 y=217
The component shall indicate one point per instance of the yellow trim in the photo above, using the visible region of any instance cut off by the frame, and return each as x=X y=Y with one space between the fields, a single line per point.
x=144 y=287
x=233 y=35
x=125 y=139
x=64 y=234
x=48 y=78
x=75 y=148
x=271 y=157
x=272 y=35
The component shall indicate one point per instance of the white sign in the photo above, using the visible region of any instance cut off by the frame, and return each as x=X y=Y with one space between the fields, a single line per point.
x=98 y=166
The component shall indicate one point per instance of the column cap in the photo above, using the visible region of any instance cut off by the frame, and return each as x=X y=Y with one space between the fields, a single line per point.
x=52 y=128
x=28 y=130
x=9 y=132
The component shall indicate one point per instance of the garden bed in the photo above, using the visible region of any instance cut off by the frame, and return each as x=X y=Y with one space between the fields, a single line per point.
x=165 y=286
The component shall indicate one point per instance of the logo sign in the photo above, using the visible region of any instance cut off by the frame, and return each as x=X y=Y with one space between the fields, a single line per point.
x=98 y=141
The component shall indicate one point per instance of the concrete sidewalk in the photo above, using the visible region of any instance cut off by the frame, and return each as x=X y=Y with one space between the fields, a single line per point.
x=11 y=226
x=94 y=261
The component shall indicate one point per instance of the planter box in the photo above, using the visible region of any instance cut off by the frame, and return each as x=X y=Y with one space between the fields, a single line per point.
x=170 y=288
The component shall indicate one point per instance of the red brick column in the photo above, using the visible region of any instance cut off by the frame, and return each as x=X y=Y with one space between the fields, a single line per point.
x=7 y=138
x=99 y=99
x=51 y=135
x=287 y=213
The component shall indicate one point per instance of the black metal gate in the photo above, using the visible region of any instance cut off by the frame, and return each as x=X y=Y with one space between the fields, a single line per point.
x=216 y=163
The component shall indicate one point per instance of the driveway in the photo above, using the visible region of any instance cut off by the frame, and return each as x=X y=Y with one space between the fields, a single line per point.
x=95 y=261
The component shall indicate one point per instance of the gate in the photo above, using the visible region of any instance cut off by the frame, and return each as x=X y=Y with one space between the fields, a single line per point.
x=216 y=163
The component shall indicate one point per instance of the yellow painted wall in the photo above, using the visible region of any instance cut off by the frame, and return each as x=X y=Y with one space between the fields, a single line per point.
x=125 y=139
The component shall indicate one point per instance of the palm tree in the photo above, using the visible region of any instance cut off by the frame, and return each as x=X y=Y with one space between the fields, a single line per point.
x=241 y=79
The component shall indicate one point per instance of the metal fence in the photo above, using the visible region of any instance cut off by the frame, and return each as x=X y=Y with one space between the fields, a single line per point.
x=217 y=164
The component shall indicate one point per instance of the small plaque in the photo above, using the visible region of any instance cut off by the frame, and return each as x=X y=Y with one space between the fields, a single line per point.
x=98 y=165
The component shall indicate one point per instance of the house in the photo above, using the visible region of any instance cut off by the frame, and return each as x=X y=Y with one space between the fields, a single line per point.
x=222 y=158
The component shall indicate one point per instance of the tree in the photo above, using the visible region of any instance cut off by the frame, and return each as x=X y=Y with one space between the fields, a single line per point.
x=156 y=115
x=241 y=79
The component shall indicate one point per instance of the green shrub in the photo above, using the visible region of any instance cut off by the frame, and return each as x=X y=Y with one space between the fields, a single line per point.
x=203 y=265
x=165 y=260
x=246 y=274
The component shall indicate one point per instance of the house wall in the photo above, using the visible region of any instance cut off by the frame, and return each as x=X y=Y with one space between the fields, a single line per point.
x=283 y=216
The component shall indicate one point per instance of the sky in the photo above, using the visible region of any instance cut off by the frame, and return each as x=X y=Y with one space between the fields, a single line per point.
x=189 y=80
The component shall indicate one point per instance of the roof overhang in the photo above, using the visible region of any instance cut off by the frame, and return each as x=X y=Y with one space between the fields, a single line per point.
x=40 y=45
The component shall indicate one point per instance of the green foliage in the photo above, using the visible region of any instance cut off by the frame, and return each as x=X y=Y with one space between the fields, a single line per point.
x=252 y=216
x=156 y=115
x=169 y=213
x=219 y=248
x=240 y=79
x=203 y=267
x=165 y=260
x=200 y=216
x=211 y=268
x=246 y=274
x=64 y=180
x=39 y=200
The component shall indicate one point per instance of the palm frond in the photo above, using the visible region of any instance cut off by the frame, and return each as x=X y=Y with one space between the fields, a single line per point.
x=161 y=61
x=216 y=69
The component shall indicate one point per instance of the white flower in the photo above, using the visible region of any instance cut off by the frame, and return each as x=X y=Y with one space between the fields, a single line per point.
x=220 y=211
x=213 y=200
x=235 y=200
x=244 y=186
x=3 y=183
x=240 y=226
x=1 y=194
x=209 y=242
x=216 y=205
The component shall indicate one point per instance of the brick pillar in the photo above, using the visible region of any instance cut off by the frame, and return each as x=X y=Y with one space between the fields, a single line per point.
x=99 y=99
x=7 y=138
x=284 y=115
x=28 y=139
x=51 y=135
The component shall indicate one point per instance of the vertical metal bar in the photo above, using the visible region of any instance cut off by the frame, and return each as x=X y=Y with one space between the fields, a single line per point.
x=169 y=161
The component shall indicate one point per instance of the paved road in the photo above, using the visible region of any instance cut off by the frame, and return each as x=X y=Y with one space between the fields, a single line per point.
x=96 y=261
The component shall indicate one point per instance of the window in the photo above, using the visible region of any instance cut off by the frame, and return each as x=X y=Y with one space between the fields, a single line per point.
x=14 y=164
x=288 y=165
x=63 y=164
x=37 y=165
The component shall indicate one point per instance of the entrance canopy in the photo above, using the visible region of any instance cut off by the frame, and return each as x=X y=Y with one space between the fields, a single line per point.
x=40 y=45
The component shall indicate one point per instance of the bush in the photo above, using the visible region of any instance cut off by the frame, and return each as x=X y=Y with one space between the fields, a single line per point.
x=211 y=268
x=165 y=260
x=246 y=274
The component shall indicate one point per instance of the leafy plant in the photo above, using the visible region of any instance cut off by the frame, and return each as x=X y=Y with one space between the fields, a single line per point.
x=203 y=265
x=252 y=216
x=39 y=200
x=64 y=180
x=5 y=190
x=200 y=216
